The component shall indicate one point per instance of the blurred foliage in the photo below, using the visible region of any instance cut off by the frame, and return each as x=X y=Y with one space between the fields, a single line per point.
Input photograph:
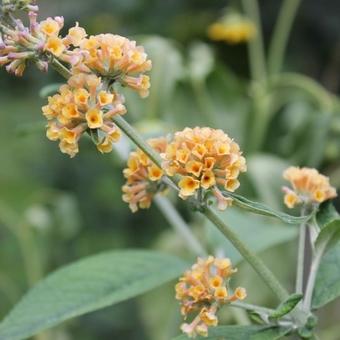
x=65 y=209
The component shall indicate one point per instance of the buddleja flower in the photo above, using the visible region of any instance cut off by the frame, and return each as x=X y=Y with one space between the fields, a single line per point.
x=83 y=104
x=116 y=58
x=143 y=177
x=15 y=5
x=233 y=28
x=207 y=159
x=308 y=186
x=203 y=290
x=37 y=43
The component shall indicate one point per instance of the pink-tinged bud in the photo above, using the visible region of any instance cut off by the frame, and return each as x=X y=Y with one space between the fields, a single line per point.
x=42 y=65
x=12 y=67
x=60 y=21
x=20 y=55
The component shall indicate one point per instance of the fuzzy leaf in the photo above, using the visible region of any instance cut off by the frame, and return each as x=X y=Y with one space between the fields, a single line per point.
x=327 y=284
x=262 y=209
x=87 y=285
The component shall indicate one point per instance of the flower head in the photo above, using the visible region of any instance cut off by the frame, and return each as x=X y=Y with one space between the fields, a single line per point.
x=143 y=177
x=308 y=186
x=83 y=105
x=233 y=28
x=207 y=159
x=36 y=43
x=203 y=290
x=114 y=57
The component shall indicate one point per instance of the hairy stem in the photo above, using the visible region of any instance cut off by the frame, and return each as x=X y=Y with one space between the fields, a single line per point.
x=177 y=222
x=281 y=33
x=301 y=256
x=257 y=264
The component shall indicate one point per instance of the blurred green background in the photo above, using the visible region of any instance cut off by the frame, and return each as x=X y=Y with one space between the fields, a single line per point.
x=61 y=209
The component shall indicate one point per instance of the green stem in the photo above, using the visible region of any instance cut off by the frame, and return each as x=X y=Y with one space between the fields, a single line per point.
x=250 y=307
x=323 y=98
x=60 y=68
x=301 y=256
x=281 y=33
x=255 y=45
x=253 y=260
x=257 y=264
x=307 y=302
x=177 y=222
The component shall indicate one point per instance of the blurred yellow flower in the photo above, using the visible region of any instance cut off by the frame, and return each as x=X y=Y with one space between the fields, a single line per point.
x=83 y=105
x=233 y=28
x=207 y=159
x=143 y=177
x=308 y=186
x=203 y=290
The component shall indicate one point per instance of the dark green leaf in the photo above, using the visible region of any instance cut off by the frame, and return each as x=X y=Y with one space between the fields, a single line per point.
x=262 y=209
x=327 y=285
x=88 y=285
x=286 y=306
x=240 y=333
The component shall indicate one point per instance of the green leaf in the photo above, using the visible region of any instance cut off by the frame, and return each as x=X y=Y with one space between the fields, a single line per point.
x=327 y=284
x=49 y=90
x=258 y=232
x=88 y=285
x=240 y=332
x=286 y=306
x=329 y=222
x=262 y=209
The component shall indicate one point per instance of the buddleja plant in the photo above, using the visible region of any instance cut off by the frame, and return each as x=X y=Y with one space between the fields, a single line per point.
x=201 y=164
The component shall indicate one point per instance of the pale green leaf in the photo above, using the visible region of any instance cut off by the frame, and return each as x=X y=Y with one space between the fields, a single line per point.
x=49 y=90
x=88 y=285
x=327 y=285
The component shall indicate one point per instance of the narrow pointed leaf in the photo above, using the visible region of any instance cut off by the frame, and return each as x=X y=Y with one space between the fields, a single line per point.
x=88 y=285
x=286 y=306
x=262 y=209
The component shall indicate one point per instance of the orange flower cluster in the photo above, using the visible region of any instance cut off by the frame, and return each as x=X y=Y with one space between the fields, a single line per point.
x=233 y=29
x=143 y=177
x=308 y=186
x=20 y=44
x=206 y=158
x=83 y=105
x=116 y=58
x=202 y=290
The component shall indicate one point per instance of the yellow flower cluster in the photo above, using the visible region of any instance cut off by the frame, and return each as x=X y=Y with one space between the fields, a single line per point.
x=116 y=58
x=207 y=159
x=308 y=186
x=20 y=44
x=83 y=105
x=143 y=177
x=202 y=290
x=233 y=29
